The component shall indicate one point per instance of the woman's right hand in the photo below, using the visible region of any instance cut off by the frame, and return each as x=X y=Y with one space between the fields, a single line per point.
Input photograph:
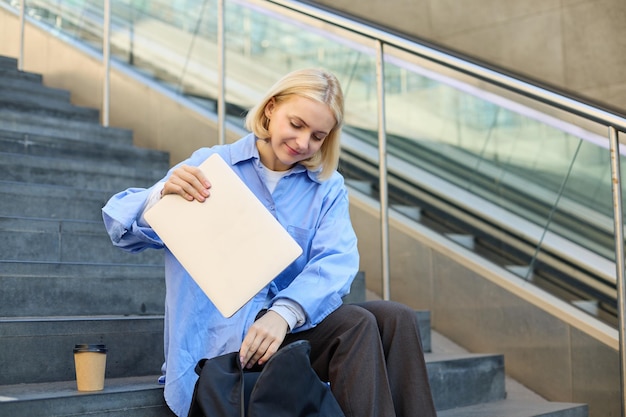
x=189 y=182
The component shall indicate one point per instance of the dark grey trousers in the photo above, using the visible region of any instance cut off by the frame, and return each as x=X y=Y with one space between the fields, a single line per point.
x=372 y=355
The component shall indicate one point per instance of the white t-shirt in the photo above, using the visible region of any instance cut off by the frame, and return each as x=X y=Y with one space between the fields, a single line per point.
x=272 y=177
x=288 y=309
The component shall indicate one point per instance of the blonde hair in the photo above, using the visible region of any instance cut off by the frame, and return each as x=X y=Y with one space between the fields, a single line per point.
x=315 y=84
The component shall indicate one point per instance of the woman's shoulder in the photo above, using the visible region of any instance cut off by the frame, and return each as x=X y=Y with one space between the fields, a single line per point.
x=336 y=178
x=200 y=155
x=225 y=151
x=332 y=185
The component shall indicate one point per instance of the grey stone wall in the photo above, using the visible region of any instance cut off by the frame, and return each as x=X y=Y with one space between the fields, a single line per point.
x=578 y=45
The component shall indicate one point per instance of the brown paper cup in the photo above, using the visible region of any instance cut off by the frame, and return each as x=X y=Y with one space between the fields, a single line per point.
x=90 y=362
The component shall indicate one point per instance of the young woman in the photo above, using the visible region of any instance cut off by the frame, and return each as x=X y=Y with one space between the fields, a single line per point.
x=371 y=352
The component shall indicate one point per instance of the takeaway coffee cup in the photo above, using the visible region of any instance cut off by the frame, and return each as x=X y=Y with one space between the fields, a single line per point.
x=90 y=362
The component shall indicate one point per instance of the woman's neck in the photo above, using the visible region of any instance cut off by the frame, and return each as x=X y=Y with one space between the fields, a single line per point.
x=268 y=157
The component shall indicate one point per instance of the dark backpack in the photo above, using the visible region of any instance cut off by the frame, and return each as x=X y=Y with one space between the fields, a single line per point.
x=286 y=386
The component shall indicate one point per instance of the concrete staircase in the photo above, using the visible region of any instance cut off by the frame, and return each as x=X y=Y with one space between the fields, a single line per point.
x=63 y=283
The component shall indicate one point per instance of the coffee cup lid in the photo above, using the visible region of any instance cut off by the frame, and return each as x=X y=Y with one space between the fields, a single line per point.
x=90 y=348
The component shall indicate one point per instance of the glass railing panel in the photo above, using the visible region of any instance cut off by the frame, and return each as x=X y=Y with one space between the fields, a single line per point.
x=584 y=213
x=268 y=46
x=574 y=218
x=174 y=42
x=77 y=19
x=513 y=156
x=170 y=41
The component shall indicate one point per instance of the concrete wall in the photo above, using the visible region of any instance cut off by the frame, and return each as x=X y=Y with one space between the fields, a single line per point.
x=578 y=45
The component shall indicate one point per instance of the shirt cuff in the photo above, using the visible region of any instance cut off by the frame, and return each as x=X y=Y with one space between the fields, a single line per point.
x=153 y=198
x=289 y=310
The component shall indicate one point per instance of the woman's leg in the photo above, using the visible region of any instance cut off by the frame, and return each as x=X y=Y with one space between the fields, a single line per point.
x=404 y=356
x=346 y=350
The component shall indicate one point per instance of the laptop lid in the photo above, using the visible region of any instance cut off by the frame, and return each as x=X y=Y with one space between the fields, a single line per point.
x=230 y=244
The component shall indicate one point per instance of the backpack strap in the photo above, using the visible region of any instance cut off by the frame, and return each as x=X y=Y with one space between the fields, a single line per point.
x=219 y=389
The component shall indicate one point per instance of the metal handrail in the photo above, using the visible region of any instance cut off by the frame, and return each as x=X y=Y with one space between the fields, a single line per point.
x=106 y=60
x=382 y=168
x=20 y=61
x=619 y=253
x=221 y=63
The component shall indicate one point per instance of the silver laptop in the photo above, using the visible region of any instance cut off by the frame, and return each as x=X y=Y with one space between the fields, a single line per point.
x=231 y=245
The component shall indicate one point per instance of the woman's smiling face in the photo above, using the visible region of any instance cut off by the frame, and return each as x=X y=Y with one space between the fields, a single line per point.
x=298 y=127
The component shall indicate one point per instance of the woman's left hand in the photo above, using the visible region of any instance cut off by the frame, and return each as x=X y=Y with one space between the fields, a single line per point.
x=263 y=339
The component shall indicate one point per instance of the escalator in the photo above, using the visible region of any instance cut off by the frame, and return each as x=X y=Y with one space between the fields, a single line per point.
x=502 y=244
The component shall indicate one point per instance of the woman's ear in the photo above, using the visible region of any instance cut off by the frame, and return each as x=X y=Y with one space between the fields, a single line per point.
x=269 y=107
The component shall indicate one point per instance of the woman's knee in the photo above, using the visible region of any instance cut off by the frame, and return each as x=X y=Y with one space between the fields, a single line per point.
x=385 y=310
x=352 y=315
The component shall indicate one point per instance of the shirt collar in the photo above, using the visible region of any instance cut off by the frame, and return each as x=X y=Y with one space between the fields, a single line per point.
x=245 y=149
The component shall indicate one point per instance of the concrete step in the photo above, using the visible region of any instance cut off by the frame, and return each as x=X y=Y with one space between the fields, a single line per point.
x=38 y=105
x=64 y=289
x=423 y=319
x=519 y=401
x=86 y=175
x=13 y=73
x=459 y=380
x=10 y=86
x=47 y=240
x=8 y=62
x=39 y=289
x=71 y=129
x=54 y=146
x=66 y=389
x=141 y=396
x=121 y=397
x=26 y=91
x=40 y=349
x=19 y=199
x=516 y=408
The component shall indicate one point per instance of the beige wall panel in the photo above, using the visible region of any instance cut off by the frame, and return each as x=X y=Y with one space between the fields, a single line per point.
x=558 y=361
x=410 y=270
x=68 y=69
x=159 y=123
x=131 y=106
x=485 y=318
x=451 y=17
x=409 y=16
x=567 y=3
x=574 y=44
x=595 y=44
x=529 y=45
x=614 y=94
x=9 y=32
x=367 y=228
x=595 y=375
x=410 y=267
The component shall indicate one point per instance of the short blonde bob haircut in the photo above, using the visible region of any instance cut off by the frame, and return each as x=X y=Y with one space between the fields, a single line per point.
x=315 y=84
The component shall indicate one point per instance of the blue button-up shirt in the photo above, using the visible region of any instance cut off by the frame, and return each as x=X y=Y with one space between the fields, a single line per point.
x=316 y=215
